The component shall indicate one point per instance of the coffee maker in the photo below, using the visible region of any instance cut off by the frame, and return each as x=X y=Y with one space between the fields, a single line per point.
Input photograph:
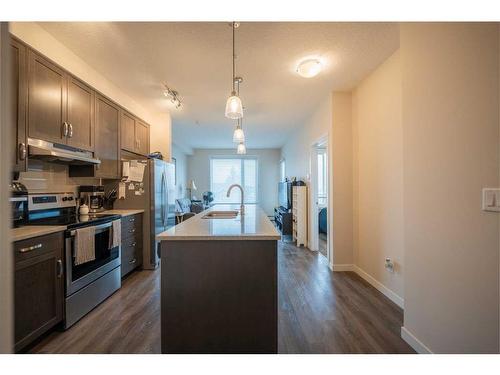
x=18 y=204
x=92 y=196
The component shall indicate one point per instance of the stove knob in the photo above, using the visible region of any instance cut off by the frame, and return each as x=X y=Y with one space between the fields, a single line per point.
x=70 y=198
x=64 y=199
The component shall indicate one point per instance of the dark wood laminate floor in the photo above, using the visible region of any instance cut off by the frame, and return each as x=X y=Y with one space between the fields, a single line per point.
x=319 y=312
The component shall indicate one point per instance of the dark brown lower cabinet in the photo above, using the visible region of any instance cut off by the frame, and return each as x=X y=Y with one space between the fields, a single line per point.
x=38 y=287
x=131 y=243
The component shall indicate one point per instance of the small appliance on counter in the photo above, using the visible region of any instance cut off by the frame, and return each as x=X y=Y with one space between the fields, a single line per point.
x=18 y=204
x=92 y=196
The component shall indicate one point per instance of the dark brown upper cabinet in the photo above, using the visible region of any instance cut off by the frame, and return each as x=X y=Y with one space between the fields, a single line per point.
x=46 y=100
x=80 y=115
x=107 y=145
x=134 y=134
x=17 y=115
x=142 y=137
x=127 y=132
x=60 y=107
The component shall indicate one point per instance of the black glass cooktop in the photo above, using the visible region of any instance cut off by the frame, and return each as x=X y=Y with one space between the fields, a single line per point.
x=55 y=217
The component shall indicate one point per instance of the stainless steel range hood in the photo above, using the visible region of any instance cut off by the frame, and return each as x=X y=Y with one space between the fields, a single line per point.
x=55 y=152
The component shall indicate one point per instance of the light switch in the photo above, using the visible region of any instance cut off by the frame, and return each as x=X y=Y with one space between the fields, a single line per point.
x=491 y=199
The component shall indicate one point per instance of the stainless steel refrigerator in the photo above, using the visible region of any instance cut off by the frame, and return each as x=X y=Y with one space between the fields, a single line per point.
x=156 y=196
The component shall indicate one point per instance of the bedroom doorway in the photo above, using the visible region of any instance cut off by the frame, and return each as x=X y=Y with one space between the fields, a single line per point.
x=319 y=190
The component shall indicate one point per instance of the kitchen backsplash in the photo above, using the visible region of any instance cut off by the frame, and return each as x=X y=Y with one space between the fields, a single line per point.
x=46 y=177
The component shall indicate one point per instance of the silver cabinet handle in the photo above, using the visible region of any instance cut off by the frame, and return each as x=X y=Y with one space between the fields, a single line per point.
x=22 y=151
x=30 y=248
x=132 y=261
x=131 y=231
x=131 y=220
x=70 y=133
x=59 y=268
x=65 y=129
x=133 y=244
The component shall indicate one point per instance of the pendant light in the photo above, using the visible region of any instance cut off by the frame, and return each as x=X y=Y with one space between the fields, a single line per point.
x=241 y=150
x=234 y=108
x=238 y=135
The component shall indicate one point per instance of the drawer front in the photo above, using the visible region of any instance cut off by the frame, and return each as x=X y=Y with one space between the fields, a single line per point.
x=131 y=243
x=130 y=258
x=132 y=229
x=132 y=221
x=36 y=246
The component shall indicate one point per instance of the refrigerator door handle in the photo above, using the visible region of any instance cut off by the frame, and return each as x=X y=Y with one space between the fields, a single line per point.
x=166 y=202
x=162 y=192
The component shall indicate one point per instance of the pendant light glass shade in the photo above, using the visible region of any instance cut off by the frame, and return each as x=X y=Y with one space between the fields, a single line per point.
x=238 y=135
x=241 y=150
x=234 y=108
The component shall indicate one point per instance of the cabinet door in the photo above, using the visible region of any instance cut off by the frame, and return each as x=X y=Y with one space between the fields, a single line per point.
x=18 y=105
x=38 y=287
x=142 y=138
x=107 y=146
x=127 y=132
x=80 y=115
x=46 y=99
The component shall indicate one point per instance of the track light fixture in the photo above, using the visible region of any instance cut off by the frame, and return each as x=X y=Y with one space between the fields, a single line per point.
x=173 y=96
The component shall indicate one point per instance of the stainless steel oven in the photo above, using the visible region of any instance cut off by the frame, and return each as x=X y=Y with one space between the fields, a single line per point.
x=106 y=259
x=88 y=284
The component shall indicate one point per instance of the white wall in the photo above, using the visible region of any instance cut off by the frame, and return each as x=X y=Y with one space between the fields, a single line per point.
x=35 y=36
x=199 y=171
x=181 y=171
x=342 y=169
x=450 y=104
x=297 y=151
x=378 y=175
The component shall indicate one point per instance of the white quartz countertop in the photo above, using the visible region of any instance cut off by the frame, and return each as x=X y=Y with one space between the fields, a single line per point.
x=253 y=225
x=122 y=212
x=30 y=231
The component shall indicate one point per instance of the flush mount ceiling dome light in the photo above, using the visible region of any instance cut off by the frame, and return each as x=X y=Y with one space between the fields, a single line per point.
x=309 y=68
x=234 y=107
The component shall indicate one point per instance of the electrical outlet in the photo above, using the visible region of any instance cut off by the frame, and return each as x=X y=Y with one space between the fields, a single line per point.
x=491 y=199
x=389 y=265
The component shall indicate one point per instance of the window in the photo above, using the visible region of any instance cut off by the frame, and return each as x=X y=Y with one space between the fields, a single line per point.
x=322 y=177
x=225 y=171
x=282 y=170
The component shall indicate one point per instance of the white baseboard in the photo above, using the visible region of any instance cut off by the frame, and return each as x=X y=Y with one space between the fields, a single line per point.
x=415 y=343
x=380 y=287
x=343 y=267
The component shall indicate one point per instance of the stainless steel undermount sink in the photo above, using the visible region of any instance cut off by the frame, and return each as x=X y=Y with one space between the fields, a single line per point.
x=220 y=215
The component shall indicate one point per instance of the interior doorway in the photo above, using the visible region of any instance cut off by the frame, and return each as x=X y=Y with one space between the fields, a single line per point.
x=320 y=238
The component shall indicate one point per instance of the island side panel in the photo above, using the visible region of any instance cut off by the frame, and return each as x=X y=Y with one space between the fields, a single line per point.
x=219 y=296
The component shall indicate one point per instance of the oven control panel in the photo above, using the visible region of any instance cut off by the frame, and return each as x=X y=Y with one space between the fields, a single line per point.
x=50 y=201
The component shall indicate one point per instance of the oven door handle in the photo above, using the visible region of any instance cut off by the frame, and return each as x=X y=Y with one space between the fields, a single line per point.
x=98 y=228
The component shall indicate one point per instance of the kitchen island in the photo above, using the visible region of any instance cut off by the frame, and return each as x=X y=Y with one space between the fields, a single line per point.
x=219 y=283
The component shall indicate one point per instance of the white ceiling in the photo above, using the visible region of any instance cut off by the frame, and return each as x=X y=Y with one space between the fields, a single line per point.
x=195 y=59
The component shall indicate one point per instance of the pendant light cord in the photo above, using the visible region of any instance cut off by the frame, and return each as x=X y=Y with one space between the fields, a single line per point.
x=234 y=57
x=240 y=120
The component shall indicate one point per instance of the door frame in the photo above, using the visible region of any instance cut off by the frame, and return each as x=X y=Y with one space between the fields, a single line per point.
x=313 y=217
